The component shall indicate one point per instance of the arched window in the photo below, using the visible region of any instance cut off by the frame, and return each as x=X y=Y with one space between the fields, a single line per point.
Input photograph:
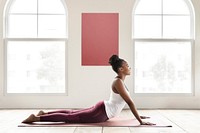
x=35 y=40
x=163 y=34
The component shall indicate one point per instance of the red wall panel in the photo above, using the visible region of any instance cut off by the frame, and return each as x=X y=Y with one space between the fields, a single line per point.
x=99 y=38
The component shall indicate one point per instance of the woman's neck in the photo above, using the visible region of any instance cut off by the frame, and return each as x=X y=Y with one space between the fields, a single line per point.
x=122 y=77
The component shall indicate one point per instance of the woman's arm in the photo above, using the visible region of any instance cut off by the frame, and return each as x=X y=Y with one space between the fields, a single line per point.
x=134 y=110
x=119 y=86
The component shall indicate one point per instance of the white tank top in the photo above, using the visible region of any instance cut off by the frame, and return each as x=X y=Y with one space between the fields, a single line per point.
x=114 y=105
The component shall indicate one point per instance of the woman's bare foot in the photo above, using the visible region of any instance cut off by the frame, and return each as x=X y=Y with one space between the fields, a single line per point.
x=32 y=118
x=41 y=113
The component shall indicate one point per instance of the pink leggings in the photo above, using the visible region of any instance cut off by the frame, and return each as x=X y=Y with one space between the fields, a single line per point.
x=93 y=114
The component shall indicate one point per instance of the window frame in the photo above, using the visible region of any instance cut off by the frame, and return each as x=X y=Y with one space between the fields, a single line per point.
x=6 y=39
x=191 y=40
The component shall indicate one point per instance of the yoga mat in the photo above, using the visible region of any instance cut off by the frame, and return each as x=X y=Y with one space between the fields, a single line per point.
x=114 y=122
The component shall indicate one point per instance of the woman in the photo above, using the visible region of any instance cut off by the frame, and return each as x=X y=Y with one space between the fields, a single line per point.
x=102 y=111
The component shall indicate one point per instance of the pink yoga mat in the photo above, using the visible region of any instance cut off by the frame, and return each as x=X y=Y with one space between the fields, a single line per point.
x=114 y=122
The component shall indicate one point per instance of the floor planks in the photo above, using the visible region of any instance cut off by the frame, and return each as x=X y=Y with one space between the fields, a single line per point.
x=183 y=121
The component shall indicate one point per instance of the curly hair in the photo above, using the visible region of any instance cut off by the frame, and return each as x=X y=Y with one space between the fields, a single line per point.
x=115 y=62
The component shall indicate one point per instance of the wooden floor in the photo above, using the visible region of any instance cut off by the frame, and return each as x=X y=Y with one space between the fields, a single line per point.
x=183 y=121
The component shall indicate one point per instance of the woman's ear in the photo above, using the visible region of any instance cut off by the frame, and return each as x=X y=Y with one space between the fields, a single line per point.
x=121 y=69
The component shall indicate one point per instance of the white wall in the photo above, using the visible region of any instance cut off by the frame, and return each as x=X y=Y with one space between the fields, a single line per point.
x=89 y=84
x=95 y=81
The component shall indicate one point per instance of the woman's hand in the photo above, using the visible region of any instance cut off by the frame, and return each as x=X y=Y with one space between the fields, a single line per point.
x=147 y=123
x=144 y=117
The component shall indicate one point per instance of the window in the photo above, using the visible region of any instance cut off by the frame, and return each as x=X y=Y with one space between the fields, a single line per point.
x=35 y=40
x=163 y=34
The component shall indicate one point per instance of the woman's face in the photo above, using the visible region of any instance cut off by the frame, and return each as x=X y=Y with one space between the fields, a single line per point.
x=126 y=68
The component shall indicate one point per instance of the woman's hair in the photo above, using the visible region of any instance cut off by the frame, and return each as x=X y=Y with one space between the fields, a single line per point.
x=115 y=62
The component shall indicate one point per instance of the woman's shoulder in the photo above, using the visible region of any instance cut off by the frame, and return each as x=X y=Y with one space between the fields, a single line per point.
x=117 y=81
x=115 y=85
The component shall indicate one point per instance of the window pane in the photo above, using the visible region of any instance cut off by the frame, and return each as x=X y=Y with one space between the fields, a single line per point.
x=176 y=26
x=149 y=7
x=162 y=67
x=50 y=7
x=147 y=26
x=175 y=7
x=52 y=26
x=36 y=67
x=22 y=26
x=23 y=6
